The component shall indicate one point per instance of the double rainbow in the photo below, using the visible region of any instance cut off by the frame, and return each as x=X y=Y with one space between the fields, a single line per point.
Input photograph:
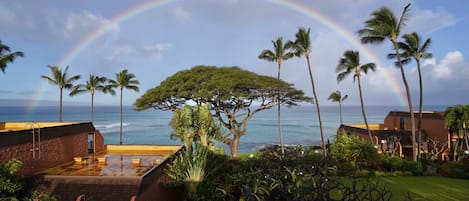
x=293 y=6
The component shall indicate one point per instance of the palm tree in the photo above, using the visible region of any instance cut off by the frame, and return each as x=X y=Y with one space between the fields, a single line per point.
x=126 y=80
x=348 y=64
x=280 y=53
x=384 y=25
x=302 y=47
x=7 y=57
x=336 y=96
x=457 y=121
x=412 y=47
x=61 y=79
x=94 y=84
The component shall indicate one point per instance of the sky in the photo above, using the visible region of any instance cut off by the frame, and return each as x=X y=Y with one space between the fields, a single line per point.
x=155 y=39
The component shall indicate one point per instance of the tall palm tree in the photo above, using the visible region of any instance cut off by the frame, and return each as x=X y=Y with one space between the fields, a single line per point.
x=93 y=84
x=350 y=64
x=303 y=48
x=126 y=80
x=336 y=96
x=7 y=57
x=280 y=53
x=61 y=79
x=412 y=47
x=384 y=25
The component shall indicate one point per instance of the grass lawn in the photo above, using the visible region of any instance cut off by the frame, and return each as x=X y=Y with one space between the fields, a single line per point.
x=427 y=187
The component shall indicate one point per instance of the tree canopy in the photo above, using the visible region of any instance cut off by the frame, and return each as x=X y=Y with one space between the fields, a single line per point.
x=229 y=87
x=233 y=94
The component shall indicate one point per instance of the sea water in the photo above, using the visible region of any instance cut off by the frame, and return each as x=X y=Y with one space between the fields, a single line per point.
x=299 y=124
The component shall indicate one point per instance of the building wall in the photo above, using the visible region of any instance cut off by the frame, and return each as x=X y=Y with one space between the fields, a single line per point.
x=98 y=142
x=435 y=128
x=57 y=145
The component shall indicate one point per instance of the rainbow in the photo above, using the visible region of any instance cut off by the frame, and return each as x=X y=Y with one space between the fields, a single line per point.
x=293 y=6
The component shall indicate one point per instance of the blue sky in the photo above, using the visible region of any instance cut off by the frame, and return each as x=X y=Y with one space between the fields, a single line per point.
x=183 y=33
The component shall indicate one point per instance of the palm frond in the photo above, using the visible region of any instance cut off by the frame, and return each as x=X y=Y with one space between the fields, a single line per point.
x=404 y=18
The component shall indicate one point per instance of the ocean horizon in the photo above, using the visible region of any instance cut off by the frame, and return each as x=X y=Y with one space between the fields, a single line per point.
x=299 y=124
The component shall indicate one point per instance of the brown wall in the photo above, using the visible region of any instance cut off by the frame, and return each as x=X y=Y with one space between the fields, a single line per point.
x=57 y=145
x=435 y=128
x=98 y=142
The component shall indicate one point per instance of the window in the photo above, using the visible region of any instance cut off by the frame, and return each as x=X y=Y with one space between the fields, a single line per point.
x=402 y=123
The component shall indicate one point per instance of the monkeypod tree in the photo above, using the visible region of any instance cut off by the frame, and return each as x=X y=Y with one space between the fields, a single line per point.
x=234 y=96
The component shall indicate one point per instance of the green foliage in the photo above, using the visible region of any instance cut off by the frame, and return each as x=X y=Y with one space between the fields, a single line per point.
x=227 y=86
x=303 y=175
x=40 y=196
x=456 y=169
x=7 y=57
x=191 y=168
x=9 y=182
x=352 y=149
x=393 y=163
x=195 y=124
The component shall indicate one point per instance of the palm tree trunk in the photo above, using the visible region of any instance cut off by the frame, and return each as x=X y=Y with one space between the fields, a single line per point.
x=60 y=105
x=465 y=139
x=92 y=107
x=419 y=125
x=120 y=136
x=278 y=112
x=340 y=109
x=409 y=99
x=363 y=109
x=318 y=108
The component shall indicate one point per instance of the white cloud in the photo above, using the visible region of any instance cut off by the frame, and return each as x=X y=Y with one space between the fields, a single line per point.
x=180 y=13
x=448 y=67
x=126 y=51
x=428 y=21
x=77 y=25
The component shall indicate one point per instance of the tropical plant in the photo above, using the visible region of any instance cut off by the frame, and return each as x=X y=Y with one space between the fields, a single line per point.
x=280 y=53
x=93 y=84
x=7 y=57
x=384 y=25
x=351 y=148
x=412 y=47
x=61 y=79
x=336 y=96
x=457 y=121
x=9 y=182
x=124 y=80
x=192 y=167
x=303 y=48
x=195 y=124
x=40 y=196
x=350 y=64
x=234 y=96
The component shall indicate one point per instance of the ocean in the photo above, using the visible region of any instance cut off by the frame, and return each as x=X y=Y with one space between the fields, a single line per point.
x=299 y=124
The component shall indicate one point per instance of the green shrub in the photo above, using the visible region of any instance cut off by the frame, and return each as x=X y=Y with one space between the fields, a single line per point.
x=456 y=169
x=393 y=163
x=9 y=183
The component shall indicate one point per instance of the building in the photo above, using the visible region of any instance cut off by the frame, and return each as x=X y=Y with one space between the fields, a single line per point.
x=394 y=135
x=70 y=160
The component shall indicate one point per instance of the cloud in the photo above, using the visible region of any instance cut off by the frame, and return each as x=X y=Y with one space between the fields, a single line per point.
x=128 y=50
x=39 y=23
x=6 y=91
x=451 y=68
x=26 y=92
x=181 y=13
x=76 y=25
x=428 y=21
